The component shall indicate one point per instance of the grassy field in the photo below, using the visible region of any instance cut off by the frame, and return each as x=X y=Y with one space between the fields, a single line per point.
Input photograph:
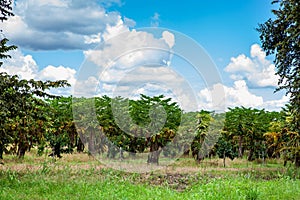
x=79 y=176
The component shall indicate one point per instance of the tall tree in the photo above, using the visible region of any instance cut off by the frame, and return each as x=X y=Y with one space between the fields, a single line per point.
x=20 y=100
x=281 y=36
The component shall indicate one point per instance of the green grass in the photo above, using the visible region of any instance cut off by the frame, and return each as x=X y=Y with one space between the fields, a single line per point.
x=78 y=176
x=109 y=184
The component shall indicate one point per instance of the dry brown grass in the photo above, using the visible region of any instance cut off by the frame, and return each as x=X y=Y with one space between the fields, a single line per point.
x=83 y=161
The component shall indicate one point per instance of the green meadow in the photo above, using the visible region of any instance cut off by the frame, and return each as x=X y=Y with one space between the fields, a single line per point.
x=79 y=176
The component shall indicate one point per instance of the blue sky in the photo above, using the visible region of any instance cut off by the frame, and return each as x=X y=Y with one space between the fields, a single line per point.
x=53 y=36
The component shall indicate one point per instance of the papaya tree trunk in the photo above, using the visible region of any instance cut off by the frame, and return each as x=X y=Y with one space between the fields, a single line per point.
x=297 y=160
x=80 y=146
x=186 y=151
x=1 y=151
x=240 y=147
x=224 y=159
x=154 y=153
x=57 y=150
x=92 y=142
x=21 y=150
x=121 y=153
x=250 y=157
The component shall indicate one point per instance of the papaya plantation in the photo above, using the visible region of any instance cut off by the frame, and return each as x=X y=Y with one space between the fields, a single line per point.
x=119 y=128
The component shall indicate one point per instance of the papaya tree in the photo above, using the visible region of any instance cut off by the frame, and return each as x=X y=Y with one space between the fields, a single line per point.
x=87 y=124
x=144 y=125
x=158 y=111
x=275 y=136
x=225 y=149
x=203 y=121
x=235 y=118
x=61 y=134
x=247 y=127
x=187 y=132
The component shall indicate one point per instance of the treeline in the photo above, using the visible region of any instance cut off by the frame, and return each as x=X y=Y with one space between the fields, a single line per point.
x=120 y=127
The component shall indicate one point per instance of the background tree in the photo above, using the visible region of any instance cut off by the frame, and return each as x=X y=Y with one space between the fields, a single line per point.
x=225 y=148
x=87 y=124
x=204 y=119
x=246 y=127
x=61 y=133
x=281 y=36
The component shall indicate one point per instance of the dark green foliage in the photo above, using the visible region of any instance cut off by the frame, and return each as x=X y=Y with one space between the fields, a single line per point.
x=246 y=126
x=22 y=111
x=225 y=149
x=61 y=132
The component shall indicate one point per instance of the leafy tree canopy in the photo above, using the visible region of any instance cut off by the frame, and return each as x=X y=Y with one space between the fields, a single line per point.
x=281 y=36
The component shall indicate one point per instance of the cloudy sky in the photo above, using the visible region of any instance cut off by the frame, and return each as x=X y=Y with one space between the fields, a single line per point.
x=101 y=47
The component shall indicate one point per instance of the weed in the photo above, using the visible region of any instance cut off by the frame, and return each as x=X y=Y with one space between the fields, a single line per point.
x=252 y=194
x=45 y=168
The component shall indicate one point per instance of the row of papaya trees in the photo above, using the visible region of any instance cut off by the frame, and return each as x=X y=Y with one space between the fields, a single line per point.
x=120 y=127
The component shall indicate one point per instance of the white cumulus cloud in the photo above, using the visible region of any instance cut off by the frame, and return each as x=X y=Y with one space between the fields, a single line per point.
x=58 y=73
x=276 y=104
x=238 y=95
x=124 y=48
x=131 y=60
x=235 y=96
x=257 y=70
